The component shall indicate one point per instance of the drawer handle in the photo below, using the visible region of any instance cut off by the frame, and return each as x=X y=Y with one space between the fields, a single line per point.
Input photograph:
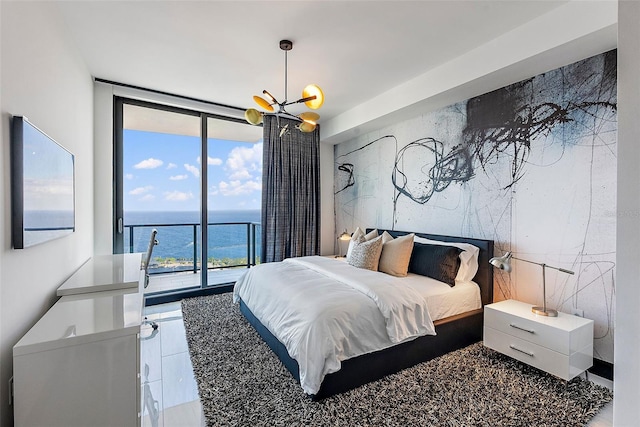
x=522 y=329
x=513 y=347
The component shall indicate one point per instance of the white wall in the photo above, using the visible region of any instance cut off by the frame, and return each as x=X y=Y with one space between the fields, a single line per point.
x=567 y=34
x=44 y=79
x=103 y=169
x=626 y=411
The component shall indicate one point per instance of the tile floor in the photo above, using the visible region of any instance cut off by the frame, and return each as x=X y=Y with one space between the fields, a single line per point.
x=170 y=392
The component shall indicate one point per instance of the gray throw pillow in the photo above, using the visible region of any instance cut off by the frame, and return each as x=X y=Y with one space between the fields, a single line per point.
x=366 y=253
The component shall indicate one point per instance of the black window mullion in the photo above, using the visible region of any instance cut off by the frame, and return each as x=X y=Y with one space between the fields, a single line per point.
x=204 y=209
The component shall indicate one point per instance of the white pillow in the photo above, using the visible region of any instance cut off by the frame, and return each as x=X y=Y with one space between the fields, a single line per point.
x=357 y=233
x=468 y=257
x=366 y=253
x=396 y=254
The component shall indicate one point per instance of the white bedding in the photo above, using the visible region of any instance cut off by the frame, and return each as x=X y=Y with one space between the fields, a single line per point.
x=333 y=311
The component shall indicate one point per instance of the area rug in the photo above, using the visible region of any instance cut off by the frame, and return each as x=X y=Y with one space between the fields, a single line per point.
x=242 y=383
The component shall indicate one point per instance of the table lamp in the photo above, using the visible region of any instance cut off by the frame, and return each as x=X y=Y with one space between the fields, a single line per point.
x=504 y=263
x=344 y=237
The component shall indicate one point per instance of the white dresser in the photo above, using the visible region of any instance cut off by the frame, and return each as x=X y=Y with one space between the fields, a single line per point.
x=562 y=346
x=79 y=365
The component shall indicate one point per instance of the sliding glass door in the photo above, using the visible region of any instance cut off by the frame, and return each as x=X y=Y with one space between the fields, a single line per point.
x=160 y=177
x=234 y=176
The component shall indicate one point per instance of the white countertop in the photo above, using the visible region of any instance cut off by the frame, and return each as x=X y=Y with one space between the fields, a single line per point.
x=104 y=273
x=564 y=321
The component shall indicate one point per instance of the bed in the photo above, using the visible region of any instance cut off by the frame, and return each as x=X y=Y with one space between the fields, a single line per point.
x=450 y=332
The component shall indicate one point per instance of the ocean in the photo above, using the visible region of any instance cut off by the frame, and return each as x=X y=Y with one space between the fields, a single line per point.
x=176 y=233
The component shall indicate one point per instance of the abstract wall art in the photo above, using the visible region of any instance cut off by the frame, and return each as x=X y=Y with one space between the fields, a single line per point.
x=531 y=165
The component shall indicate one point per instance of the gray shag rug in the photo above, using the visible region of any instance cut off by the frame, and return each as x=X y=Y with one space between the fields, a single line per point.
x=242 y=383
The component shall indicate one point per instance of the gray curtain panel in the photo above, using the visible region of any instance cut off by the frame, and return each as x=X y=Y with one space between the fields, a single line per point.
x=290 y=191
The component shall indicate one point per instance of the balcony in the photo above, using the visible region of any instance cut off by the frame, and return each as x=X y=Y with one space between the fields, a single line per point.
x=175 y=264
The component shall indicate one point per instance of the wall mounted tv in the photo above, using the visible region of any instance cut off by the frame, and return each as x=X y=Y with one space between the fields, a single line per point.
x=42 y=186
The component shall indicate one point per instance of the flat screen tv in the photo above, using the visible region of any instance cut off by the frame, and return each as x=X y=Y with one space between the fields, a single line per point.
x=42 y=186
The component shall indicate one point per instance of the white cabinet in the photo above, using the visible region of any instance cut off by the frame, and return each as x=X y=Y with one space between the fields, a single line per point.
x=562 y=346
x=79 y=365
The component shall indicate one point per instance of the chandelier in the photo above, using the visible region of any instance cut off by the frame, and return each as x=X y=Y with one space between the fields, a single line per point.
x=312 y=97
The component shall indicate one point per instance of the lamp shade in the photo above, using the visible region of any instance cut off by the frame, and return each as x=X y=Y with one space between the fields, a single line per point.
x=344 y=236
x=310 y=116
x=313 y=90
x=253 y=116
x=503 y=262
x=307 y=127
x=263 y=103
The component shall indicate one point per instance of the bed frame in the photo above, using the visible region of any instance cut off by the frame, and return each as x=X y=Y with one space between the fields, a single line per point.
x=452 y=333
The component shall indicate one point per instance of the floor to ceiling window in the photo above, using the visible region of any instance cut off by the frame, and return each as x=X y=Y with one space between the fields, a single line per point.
x=201 y=210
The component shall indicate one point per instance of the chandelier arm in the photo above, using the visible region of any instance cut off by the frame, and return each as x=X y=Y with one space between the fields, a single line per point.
x=273 y=99
x=284 y=114
x=308 y=98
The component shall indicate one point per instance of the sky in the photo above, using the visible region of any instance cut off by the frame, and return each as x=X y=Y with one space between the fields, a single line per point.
x=162 y=173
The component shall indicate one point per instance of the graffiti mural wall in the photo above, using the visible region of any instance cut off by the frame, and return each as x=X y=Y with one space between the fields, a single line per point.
x=531 y=166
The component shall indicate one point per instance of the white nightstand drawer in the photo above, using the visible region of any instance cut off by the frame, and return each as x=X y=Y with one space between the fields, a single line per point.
x=528 y=330
x=560 y=365
x=565 y=334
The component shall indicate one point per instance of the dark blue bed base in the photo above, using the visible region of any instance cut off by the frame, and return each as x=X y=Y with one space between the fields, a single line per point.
x=451 y=334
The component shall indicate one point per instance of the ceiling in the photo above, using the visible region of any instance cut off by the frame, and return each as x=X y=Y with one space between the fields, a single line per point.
x=228 y=51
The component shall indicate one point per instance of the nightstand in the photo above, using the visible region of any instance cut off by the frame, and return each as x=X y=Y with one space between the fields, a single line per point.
x=561 y=346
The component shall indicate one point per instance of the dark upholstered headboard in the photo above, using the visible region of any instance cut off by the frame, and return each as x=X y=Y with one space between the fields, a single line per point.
x=484 y=276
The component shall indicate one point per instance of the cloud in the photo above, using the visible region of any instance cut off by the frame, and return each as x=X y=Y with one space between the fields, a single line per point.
x=178 y=196
x=150 y=163
x=193 y=169
x=241 y=174
x=244 y=162
x=178 y=177
x=147 y=198
x=172 y=166
x=52 y=193
x=128 y=176
x=237 y=188
x=141 y=190
x=211 y=161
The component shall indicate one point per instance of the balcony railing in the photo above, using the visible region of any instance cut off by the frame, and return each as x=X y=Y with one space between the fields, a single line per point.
x=231 y=244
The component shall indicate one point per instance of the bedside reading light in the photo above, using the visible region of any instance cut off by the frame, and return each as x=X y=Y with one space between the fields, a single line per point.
x=344 y=237
x=504 y=263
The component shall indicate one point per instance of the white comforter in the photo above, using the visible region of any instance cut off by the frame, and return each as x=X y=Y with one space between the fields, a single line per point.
x=324 y=311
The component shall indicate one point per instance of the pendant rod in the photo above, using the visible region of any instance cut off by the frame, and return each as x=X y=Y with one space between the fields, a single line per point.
x=285 y=77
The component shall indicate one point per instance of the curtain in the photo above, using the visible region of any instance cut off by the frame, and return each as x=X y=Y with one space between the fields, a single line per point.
x=290 y=191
